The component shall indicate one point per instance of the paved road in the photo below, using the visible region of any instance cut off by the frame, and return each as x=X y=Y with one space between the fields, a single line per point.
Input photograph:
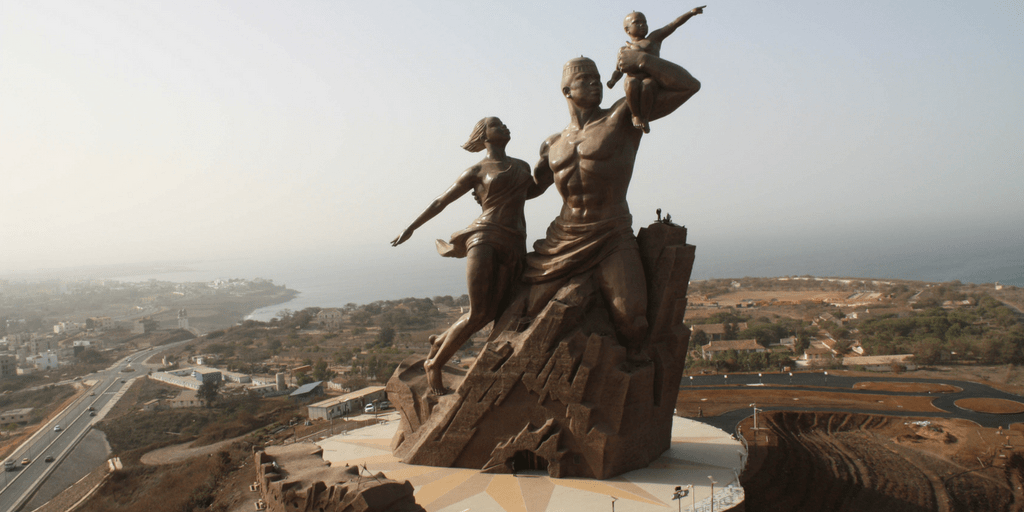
x=944 y=401
x=75 y=422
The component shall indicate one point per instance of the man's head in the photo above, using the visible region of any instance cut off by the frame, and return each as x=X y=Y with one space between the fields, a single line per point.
x=581 y=82
x=635 y=25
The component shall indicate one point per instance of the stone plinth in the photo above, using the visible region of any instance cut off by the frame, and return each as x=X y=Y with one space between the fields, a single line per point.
x=555 y=391
x=296 y=477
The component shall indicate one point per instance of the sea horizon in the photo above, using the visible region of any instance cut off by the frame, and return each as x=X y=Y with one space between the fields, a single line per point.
x=335 y=280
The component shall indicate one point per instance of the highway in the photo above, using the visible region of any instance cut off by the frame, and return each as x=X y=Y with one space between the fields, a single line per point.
x=74 y=422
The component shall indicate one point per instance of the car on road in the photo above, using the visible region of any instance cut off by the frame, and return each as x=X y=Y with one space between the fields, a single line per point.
x=9 y=465
x=92 y=394
x=91 y=408
x=122 y=381
x=49 y=458
x=26 y=461
x=92 y=413
x=369 y=408
x=385 y=405
x=57 y=428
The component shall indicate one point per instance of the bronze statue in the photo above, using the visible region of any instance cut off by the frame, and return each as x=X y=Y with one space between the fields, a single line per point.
x=640 y=88
x=494 y=244
x=591 y=163
x=580 y=374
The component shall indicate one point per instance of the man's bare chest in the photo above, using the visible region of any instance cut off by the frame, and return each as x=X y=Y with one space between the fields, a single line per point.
x=595 y=143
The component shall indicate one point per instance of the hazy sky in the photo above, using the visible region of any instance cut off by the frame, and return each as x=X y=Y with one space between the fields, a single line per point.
x=142 y=131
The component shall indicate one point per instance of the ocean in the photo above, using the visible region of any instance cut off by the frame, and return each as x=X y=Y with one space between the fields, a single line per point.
x=335 y=280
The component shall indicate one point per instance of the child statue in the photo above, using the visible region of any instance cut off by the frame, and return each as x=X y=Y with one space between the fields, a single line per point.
x=640 y=88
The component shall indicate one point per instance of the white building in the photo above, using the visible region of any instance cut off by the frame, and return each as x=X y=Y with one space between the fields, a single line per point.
x=43 y=361
x=344 y=404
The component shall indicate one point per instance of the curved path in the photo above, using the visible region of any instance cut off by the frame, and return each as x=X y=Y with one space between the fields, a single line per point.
x=944 y=401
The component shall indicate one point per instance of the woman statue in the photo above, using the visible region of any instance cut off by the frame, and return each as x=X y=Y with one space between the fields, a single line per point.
x=494 y=245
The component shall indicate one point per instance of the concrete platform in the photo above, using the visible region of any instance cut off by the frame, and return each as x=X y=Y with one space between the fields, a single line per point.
x=697 y=451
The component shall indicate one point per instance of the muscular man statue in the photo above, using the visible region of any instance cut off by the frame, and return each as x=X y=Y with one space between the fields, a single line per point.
x=590 y=163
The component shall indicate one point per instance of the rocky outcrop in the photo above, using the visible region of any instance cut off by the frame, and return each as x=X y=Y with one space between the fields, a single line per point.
x=555 y=391
x=297 y=478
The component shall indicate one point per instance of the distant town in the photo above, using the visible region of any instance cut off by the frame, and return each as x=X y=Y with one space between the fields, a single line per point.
x=185 y=365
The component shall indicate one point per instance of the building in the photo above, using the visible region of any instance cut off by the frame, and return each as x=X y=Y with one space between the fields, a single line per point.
x=180 y=378
x=65 y=328
x=8 y=366
x=308 y=392
x=43 y=361
x=187 y=398
x=206 y=375
x=815 y=356
x=329 y=318
x=714 y=348
x=345 y=404
x=144 y=325
x=16 y=416
x=100 y=323
x=716 y=332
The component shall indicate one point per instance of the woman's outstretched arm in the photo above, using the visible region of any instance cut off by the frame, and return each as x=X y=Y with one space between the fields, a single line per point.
x=464 y=184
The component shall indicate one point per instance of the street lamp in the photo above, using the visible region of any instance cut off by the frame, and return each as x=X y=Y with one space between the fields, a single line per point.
x=713 y=482
x=790 y=378
x=614 y=499
x=693 y=498
x=759 y=381
x=755 y=418
x=726 y=379
x=691 y=381
x=826 y=378
x=678 y=495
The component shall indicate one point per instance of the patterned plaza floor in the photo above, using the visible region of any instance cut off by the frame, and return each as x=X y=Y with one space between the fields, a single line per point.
x=698 y=451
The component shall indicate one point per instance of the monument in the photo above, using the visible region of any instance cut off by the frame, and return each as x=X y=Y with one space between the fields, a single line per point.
x=580 y=373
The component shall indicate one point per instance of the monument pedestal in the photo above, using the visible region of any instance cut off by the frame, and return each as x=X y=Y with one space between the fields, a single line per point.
x=555 y=391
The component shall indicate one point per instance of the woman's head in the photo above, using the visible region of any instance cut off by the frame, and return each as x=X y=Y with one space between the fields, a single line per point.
x=488 y=129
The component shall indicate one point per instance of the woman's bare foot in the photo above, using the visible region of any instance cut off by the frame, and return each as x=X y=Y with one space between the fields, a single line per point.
x=434 y=377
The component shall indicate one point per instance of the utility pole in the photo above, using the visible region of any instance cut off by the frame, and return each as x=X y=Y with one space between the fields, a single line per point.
x=713 y=482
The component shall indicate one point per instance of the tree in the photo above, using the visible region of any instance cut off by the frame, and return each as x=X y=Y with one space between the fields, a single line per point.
x=209 y=392
x=303 y=378
x=321 y=371
x=385 y=337
x=699 y=338
x=803 y=341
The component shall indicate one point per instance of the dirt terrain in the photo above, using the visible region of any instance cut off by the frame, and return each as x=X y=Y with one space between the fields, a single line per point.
x=852 y=462
x=813 y=461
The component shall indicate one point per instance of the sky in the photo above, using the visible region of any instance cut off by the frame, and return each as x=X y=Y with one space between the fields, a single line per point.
x=198 y=130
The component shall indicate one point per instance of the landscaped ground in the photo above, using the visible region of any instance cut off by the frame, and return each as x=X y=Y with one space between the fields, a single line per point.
x=712 y=402
x=812 y=461
x=907 y=387
x=837 y=461
x=990 y=405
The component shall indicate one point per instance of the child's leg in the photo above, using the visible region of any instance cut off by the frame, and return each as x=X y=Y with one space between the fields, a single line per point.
x=648 y=90
x=634 y=91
